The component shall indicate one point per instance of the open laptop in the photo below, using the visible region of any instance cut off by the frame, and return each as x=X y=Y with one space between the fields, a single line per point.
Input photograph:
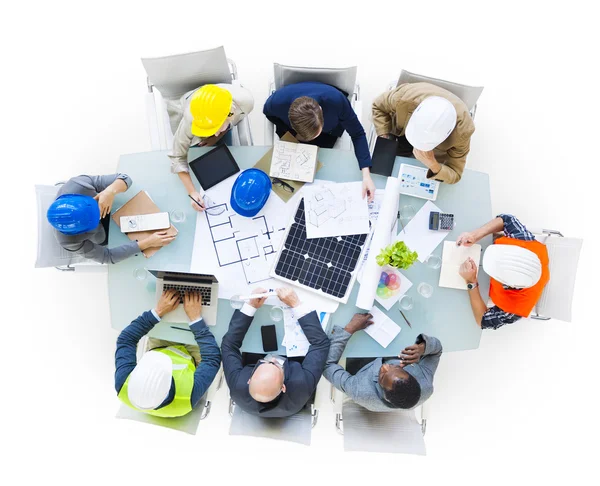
x=207 y=285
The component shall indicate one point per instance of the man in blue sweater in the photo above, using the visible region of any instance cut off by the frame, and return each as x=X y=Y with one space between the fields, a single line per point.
x=317 y=114
x=170 y=378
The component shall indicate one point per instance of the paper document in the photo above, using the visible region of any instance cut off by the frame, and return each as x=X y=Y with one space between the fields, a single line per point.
x=417 y=235
x=452 y=258
x=383 y=329
x=294 y=161
x=295 y=340
x=335 y=209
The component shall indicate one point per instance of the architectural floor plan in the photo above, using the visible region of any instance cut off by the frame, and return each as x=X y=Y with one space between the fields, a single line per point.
x=294 y=161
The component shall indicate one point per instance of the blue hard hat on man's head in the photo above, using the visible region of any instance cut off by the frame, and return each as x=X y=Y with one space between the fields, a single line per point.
x=73 y=214
x=250 y=192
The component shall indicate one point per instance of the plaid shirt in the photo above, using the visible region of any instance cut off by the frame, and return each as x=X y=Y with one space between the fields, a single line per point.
x=494 y=316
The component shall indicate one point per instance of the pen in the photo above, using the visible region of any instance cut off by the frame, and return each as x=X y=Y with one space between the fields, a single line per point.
x=181 y=328
x=196 y=202
x=405 y=319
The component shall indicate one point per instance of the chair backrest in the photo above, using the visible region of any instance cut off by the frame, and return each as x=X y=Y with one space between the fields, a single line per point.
x=49 y=252
x=557 y=298
x=175 y=75
x=469 y=94
x=342 y=78
x=396 y=431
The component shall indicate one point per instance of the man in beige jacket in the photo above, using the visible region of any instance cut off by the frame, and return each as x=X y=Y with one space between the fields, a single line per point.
x=446 y=157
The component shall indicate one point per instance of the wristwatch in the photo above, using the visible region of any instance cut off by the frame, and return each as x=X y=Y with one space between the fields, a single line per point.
x=472 y=286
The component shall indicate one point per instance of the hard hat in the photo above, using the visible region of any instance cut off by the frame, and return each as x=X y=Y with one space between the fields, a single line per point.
x=210 y=106
x=431 y=123
x=512 y=265
x=150 y=381
x=250 y=192
x=73 y=214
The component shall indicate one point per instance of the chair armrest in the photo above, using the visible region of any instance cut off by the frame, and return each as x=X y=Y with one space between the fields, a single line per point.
x=152 y=120
x=244 y=132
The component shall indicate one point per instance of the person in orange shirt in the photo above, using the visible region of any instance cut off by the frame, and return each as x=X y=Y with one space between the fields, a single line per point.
x=518 y=267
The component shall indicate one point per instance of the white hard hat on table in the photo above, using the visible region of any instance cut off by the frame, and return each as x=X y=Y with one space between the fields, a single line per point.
x=431 y=123
x=513 y=266
x=150 y=381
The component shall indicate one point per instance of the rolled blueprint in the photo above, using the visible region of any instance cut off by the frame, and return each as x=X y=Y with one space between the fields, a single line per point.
x=388 y=213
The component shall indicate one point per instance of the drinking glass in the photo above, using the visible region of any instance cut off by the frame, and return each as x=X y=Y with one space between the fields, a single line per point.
x=140 y=274
x=425 y=289
x=406 y=303
x=276 y=313
x=235 y=302
x=434 y=262
x=177 y=216
x=407 y=213
x=212 y=207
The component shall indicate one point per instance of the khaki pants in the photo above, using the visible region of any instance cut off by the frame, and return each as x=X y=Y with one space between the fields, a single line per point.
x=194 y=350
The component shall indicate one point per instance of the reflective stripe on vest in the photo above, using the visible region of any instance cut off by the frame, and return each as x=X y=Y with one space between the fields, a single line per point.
x=521 y=301
x=183 y=375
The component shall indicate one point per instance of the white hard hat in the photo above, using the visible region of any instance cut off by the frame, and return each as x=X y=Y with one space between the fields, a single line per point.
x=150 y=381
x=513 y=266
x=431 y=123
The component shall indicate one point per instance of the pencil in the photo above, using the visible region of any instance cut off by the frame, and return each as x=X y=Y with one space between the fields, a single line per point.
x=189 y=330
x=405 y=319
x=196 y=201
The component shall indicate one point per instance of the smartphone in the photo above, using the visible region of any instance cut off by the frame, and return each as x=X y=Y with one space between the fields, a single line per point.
x=269 y=338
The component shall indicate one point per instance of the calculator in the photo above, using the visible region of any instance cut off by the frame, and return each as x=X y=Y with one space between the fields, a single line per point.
x=441 y=221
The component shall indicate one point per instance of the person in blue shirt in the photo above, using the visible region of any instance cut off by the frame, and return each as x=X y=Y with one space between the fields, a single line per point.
x=317 y=114
x=170 y=378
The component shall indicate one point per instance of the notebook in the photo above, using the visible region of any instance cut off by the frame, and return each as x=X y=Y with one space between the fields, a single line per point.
x=384 y=156
x=452 y=258
x=141 y=203
x=294 y=161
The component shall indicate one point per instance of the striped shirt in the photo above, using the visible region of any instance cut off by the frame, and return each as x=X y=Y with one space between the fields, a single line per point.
x=494 y=316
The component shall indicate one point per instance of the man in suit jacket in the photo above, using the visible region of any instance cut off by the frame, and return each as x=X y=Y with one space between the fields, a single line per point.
x=385 y=383
x=275 y=386
x=317 y=114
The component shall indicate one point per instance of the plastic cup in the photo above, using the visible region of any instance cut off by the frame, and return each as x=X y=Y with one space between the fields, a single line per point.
x=140 y=274
x=235 y=302
x=425 y=289
x=177 y=216
x=276 y=313
x=406 y=303
x=434 y=262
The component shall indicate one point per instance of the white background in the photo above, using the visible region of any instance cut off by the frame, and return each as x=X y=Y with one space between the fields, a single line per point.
x=521 y=409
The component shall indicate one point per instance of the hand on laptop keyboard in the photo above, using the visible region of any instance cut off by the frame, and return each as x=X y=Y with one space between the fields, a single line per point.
x=192 y=304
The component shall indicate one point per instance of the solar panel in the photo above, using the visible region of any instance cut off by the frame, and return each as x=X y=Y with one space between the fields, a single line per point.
x=320 y=264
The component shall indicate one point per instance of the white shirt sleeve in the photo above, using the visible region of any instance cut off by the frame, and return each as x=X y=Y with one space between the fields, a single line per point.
x=155 y=314
x=248 y=310
x=301 y=310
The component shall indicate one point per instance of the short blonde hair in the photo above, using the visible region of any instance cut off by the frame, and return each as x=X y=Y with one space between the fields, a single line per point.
x=306 y=117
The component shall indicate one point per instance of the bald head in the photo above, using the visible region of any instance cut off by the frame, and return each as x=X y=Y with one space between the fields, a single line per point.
x=266 y=383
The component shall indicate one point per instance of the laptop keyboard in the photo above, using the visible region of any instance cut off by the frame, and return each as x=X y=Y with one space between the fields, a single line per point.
x=204 y=291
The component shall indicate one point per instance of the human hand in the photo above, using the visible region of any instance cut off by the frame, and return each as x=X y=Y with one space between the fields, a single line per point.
x=359 y=322
x=411 y=354
x=192 y=305
x=156 y=240
x=169 y=300
x=368 y=187
x=208 y=141
x=105 y=201
x=197 y=197
x=468 y=270
x=466 y=239
x=288 y=297
x=428 y=159
x=257 y=303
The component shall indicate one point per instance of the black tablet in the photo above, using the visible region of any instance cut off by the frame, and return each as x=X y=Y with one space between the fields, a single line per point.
x=384 y=156
x=214 y=166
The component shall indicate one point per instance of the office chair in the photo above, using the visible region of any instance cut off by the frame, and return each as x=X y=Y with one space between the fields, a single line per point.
x=468 y=94
x=400 y=431
x=49 y=251
x=342 y=78
x=170 y=77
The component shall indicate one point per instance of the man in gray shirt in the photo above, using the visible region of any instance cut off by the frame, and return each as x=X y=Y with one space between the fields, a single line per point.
x=385 y=383
x=92 y=244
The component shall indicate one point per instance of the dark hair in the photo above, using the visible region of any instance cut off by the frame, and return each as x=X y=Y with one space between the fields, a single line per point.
x=405 y=392
x=306 y=117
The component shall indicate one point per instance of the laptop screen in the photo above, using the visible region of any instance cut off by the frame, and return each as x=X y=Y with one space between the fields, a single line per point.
x=184 y=277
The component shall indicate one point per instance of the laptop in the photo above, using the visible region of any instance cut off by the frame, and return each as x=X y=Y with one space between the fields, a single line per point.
x=207 y=285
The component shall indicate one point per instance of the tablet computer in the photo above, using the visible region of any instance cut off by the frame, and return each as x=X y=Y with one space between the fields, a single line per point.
x=214 y=166
x=384 y=156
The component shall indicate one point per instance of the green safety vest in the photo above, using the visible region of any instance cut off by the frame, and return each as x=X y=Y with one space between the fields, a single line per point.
x=183 y=375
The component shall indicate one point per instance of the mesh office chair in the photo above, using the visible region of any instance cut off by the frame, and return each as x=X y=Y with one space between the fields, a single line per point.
x=399 y=431
x=468 y=94
x=342 y=78
x=49 y=252
x=170 y=77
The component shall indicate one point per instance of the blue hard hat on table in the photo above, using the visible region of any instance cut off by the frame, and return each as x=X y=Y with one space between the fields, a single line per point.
x=73 y=214
x=250 y=192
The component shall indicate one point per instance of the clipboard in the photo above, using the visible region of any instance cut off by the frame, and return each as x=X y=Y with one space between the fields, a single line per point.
x=141 y=203
x=264 y=164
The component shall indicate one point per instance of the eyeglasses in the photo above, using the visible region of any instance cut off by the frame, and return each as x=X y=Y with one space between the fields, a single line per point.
x=269 y=359
x=284 y=185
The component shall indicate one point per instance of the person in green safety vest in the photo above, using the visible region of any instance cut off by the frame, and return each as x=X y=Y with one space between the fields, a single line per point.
x=170 y=378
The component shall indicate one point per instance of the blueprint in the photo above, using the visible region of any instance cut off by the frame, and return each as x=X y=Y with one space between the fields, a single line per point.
x=335 y=209
x=294 y=161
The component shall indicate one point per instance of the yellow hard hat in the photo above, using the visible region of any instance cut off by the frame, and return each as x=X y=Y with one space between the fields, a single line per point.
x=210 y=107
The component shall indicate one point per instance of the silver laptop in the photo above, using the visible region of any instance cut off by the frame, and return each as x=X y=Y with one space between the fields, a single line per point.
x=207 y=285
